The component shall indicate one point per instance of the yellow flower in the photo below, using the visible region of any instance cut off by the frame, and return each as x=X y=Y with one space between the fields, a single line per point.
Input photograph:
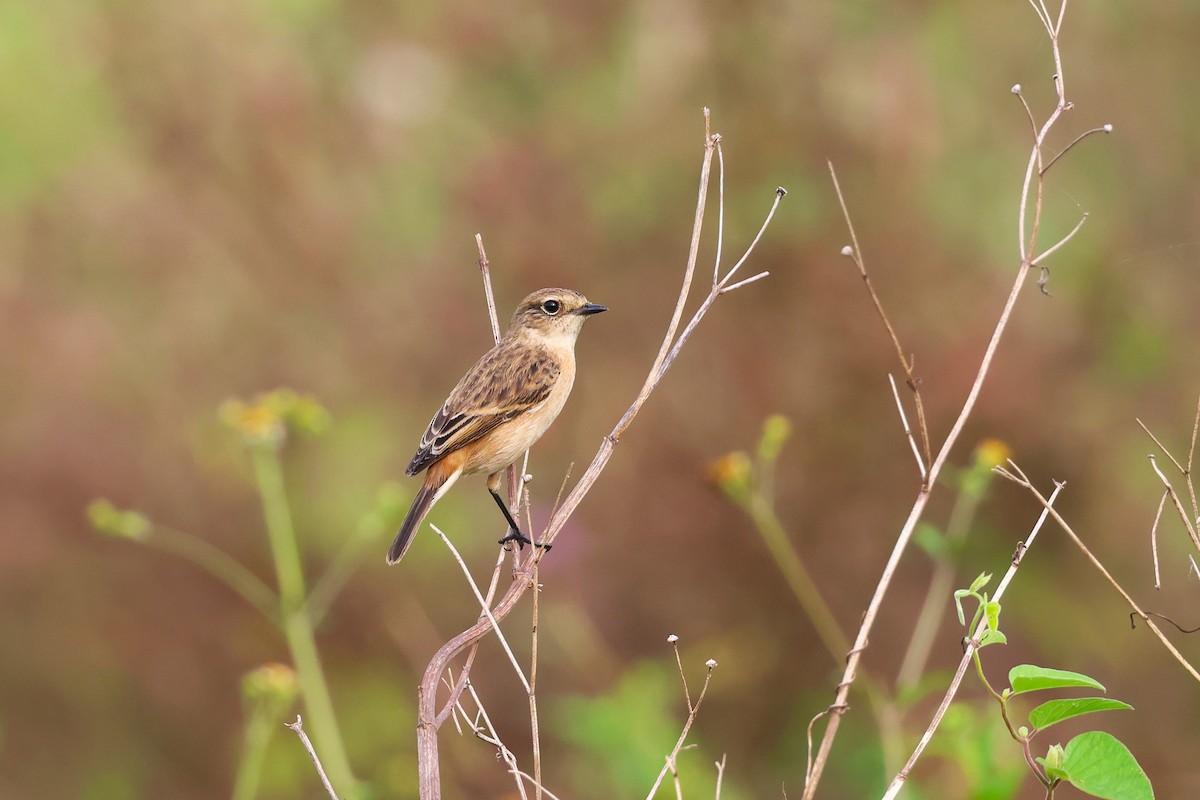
x=732 y=472
x=992 y=453
x=267 y=419
x=257 y=423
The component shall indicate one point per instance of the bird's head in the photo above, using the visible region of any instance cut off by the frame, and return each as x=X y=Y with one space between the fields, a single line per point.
x=553 y=313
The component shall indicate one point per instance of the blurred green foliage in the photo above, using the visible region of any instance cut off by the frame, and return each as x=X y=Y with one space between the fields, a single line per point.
x=200 y=201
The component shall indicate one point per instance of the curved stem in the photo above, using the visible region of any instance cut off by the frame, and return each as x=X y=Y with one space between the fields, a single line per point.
x=297 y=627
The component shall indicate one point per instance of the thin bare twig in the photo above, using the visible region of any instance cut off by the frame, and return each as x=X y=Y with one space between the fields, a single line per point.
x=297 y=728
x=720 y=776
x=460 y=685
x=1020 y=479
x=907 y=430
x=534 y=731
x=1162 y=502
x=673 y=640
x=1160 y=445
x=720 y=209
x=1195 y=431
x=687 y=726
x=1183 y=515
x=972 y=645
x=1059 y=244
x=487 y=612
x=856 y=255
x=486 y=272
x=490 y=736
x=745 y=282
x=1106 y=128
x=1185 y=471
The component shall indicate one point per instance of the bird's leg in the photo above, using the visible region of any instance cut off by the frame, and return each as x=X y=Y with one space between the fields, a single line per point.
x=514 y=531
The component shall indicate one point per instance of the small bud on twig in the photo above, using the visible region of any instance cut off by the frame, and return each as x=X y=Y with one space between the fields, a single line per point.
x=672 y=639
x=848 y=251
x=711 y=663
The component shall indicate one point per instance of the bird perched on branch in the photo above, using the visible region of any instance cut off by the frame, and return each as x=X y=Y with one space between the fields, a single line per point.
x=500 y=407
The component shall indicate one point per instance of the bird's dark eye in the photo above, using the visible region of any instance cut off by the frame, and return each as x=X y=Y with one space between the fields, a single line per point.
x=551 y=307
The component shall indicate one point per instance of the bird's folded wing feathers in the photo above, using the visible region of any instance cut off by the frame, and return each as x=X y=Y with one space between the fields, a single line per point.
x=507 y=382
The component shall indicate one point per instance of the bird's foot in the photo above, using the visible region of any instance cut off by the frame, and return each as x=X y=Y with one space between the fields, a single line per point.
x=521 y=540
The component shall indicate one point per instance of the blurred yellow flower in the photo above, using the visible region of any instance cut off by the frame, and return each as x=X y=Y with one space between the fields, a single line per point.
x=267 y=418
x=992 y=453
x=732 y=473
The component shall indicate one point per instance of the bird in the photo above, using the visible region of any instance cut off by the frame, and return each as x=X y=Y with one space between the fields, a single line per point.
x=501 y=407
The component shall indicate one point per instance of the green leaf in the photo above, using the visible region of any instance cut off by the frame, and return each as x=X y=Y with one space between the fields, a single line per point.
x=1054 y=711
x=1099 y=764
x=1029 y=678
x=980 y=582
x=992 y=610
x=992 y=637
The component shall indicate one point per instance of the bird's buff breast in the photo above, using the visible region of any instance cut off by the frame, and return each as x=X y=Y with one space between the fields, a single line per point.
x=509 y=441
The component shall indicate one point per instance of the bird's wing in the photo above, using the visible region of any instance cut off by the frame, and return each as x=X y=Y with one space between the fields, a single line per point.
x=510 y=380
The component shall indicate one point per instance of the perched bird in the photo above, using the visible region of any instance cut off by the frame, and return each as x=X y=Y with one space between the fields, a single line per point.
x=501 y=406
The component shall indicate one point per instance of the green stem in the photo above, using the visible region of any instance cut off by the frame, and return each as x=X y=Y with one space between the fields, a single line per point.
x=941 y=586
x=259 y=728
x=797 y=576
x=297 y=626
x=219 y=564
x=326 y=588
x=812 y=602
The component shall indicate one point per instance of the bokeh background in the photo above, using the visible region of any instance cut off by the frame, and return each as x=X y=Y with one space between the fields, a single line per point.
x=201 y=201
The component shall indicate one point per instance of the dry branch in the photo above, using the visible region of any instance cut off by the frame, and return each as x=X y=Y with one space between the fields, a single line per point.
x=428 y=721
x=1020 y=479
x=972 y=645
x=1028 y=227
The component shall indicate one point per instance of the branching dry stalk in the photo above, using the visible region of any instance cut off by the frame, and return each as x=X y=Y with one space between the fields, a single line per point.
x=1190 y=522
x=854 y=252
x=968 y=652
x=1028 y=226
x=693 y=710
x=428 y=720
x=1018 y=477
x=486 y=732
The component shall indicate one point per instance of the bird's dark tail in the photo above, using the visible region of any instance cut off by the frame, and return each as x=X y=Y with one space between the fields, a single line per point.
x=432 y=489
x=416 y=515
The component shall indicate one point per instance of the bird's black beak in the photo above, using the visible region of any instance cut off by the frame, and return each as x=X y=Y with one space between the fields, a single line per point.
x=590 y=308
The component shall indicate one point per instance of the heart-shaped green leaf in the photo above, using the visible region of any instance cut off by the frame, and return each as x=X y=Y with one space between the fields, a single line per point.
x=1099 y=764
